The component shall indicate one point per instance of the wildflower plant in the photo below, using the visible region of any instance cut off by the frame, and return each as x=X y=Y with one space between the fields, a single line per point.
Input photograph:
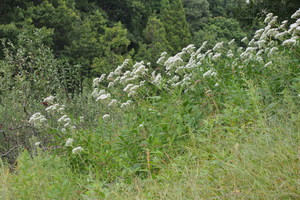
x=192 y=65
x=137 y=127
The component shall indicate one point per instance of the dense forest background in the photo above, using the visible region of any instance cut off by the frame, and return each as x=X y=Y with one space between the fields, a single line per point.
x=89 y=37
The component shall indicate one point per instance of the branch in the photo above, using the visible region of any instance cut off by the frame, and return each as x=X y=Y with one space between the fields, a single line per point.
x=24 y=108
x=20 y=127
x=25 y=126
x=5 y=154
x=2 y=131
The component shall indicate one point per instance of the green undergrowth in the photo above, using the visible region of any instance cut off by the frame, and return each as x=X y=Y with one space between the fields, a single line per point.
x=41 y=176
x=243 y=151
x=254 y=161
x=247 y=151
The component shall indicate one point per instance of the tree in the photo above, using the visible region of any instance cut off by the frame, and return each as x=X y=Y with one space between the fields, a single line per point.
x=259 y=8
x=219 y=29
x=113 y=50
x=177 y=29
x=153 y=6
x=60 y=16
x=155 y=41
x=197 y=12
x=85 y=43
x=29 y=64
x=81 y=38
x=226 y=8
x=132 y=13
x=12 y=10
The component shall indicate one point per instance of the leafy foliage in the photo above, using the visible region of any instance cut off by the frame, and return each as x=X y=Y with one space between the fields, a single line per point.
x=176 y=26
x=114 y=48
x=30 y=64
x=219 y=29
x=155 y=41
x=197 y=12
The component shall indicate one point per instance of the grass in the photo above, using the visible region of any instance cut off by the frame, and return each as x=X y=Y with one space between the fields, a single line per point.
x=40 y=177
x=258 y=161
x=228 y=158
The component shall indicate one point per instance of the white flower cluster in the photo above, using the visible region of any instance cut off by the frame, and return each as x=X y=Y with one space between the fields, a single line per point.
x=268 y=64
x=81 y=119
x=174 y=62
x=126 y=104
x=100 y=94
x=231 y=42
x=55 y=107
x=37 y=119
x=66 y=121
x=296 y=14
x=131 y=89
x=189 y=49
x=113 y=102
x=69 y=142
x=162 y=58
x=265 y=40
x=290 y=42
x=96 y=81
x=218 y=46
x=139 y=69
x=129 y=80
x=190 y=65
x=244 y=40
x=209 y=73
x=37 y=144
x=230 y=54
x=103 y=96
x=268 y=18
x=77 y=150
x=106 y=117
x=156 y=79
x=216 y=56
x=49 y=99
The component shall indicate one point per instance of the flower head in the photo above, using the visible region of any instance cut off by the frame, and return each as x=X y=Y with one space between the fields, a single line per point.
x=113 y=102
x=268 y=64
x=218 y=46
x=62 y=119
x=69 y=142
x=37 y=119
x=106 y=117
x=49 y=99
x=81 y=119
x=296 y=14
x=77 y=150
x=231 y=42
x=37 y=144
